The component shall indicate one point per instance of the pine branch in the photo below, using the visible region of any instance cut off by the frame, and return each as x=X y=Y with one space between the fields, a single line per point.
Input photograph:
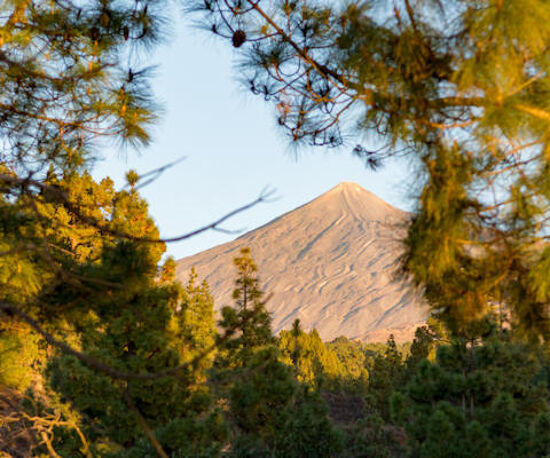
x=63 y=199
x=98 y=365
x=144 y=425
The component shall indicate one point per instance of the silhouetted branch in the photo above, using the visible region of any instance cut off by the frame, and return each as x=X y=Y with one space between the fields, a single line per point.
x=155 y=174
x=61 y=195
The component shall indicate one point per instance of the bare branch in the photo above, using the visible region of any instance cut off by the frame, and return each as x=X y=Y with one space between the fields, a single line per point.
x=265 y=196
x=154 y=174
x=49 y=446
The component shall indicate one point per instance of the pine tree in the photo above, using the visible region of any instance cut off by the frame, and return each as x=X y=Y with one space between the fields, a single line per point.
x=196 y=331
x=352 y=360
x=69 y=83
x=483 y=396
x=248 y=322
x=118 y=310
x=269 y=413
x=385 y=376
x=462 y=88
x=146 y=327
x=68 y=80
x=320 y=365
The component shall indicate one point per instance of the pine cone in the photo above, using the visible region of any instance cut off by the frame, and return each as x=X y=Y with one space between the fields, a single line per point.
x=239 y=37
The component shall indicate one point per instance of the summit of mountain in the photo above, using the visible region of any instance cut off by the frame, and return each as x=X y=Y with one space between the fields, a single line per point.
x=330 y=262
x=352 y=197
x=346 y=198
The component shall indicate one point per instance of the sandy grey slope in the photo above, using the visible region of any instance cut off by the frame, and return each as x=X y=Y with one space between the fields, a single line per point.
x=330 y=263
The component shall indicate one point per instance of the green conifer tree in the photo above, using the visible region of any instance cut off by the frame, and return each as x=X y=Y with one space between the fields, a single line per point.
x=248 y=322
x=119 y=311
x=482 y=397
x=352 y=360
x=385 y=376
x=145 y=328
x=196 y=330
x=269 y=413
x=317 y=364
x=68 y=80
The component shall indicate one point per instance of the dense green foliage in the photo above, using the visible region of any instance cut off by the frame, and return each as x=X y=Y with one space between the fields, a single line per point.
x=248 y=393
x=69 y=83
x=482 y=396
x=315 y=364
x=144 y=328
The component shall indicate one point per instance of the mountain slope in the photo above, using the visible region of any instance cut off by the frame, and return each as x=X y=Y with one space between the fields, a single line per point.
x=330 y=263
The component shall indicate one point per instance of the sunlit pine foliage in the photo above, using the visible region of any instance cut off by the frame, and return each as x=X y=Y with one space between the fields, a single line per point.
x=463 y=88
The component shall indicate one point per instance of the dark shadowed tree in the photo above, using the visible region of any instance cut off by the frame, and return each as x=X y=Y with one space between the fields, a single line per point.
x=485 y=395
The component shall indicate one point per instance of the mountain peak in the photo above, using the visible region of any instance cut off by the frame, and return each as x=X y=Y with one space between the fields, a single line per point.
x=329 y=263
x=346 y=186
x=350 y=197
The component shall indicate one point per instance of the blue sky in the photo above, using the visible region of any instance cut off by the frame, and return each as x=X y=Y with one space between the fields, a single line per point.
x=232 y=147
